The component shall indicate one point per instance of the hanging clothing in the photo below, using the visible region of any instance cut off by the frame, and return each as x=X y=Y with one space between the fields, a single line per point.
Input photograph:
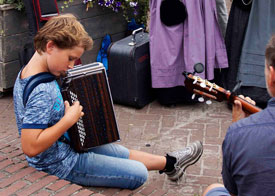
x=177 y=48
x=203 y=40
x=260 y=27
x=235 y=33
x=222 y=15
x=194 y=36
x=215 y=50
x=166 y=46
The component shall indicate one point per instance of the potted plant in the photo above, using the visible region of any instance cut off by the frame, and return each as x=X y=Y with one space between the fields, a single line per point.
x=131 y=9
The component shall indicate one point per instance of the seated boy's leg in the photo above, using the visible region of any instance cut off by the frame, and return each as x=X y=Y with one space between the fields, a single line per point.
x=113 y=150
x=216 y=190
x=94 y=169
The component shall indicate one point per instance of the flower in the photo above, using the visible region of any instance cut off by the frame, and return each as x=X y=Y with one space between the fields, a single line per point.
x=130 y=8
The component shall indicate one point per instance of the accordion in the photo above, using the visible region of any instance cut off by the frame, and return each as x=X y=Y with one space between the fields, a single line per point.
x=89 y=85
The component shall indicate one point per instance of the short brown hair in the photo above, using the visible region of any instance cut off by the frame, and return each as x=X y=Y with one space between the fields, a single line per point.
x=270 y=52
x=65 y=31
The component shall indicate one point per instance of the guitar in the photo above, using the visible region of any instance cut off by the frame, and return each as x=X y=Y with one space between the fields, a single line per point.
x=205 y=88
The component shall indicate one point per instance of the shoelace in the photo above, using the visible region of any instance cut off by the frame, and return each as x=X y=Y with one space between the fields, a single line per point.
x=182 y=153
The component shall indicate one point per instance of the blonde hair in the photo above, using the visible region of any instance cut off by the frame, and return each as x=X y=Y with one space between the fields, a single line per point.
x=65 y=31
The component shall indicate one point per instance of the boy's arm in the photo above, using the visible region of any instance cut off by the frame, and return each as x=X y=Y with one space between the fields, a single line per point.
x=35 y=141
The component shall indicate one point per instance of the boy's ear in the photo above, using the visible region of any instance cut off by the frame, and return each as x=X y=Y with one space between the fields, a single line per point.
x=49 y=46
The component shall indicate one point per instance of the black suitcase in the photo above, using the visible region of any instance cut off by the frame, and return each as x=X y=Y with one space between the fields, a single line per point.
x=129 y=71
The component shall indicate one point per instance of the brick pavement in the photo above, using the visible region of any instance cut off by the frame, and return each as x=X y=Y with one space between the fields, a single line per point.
x=155 y=129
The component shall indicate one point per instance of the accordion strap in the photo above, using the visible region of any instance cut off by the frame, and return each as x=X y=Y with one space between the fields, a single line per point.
x=37 y=79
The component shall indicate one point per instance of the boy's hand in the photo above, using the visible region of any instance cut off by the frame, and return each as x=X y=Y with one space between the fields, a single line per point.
x=237 y=111
x=73 y=112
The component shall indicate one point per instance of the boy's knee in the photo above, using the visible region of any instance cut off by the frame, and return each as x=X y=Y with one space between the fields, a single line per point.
x=143 y=172
x=139 y=177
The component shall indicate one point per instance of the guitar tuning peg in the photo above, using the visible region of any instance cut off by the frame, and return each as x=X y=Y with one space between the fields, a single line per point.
x=211 y=87
x=208 y=102
x=193 y=96
x=203 y=85
x=195 y=80
x=201 y=99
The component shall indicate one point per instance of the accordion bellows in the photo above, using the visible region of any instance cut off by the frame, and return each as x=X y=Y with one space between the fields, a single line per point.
x=89 y=85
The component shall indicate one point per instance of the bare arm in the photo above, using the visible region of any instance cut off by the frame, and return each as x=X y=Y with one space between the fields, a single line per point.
x=35 y=141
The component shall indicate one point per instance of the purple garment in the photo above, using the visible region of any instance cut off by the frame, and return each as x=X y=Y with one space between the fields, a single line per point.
x=216 y=56
x=176 y=49
x=166 y=48
x=194 y=36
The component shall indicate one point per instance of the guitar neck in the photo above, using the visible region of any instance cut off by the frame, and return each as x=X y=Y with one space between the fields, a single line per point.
x=247 y=107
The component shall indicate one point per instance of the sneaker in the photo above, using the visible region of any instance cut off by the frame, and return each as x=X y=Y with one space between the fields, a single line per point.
x=184 y=158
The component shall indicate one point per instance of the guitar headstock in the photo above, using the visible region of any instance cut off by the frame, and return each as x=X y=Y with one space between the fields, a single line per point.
x=210 y=90
x=205 y=88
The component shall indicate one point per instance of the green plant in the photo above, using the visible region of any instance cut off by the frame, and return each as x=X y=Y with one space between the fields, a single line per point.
x=19 y=4
x=66 y=4
x=144 y=11
x=137 y=9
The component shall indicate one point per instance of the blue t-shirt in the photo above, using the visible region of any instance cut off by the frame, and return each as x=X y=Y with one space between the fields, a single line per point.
x=249 y=154
x=45 y=107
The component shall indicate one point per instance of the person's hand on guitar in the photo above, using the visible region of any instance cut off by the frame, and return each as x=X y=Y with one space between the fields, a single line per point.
x=237 y=110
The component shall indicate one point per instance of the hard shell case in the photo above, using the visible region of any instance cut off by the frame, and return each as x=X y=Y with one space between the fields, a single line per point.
x=129 y=70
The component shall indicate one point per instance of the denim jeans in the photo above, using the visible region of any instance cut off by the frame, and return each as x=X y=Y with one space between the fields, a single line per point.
x=218 y=191
x=108 y=165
